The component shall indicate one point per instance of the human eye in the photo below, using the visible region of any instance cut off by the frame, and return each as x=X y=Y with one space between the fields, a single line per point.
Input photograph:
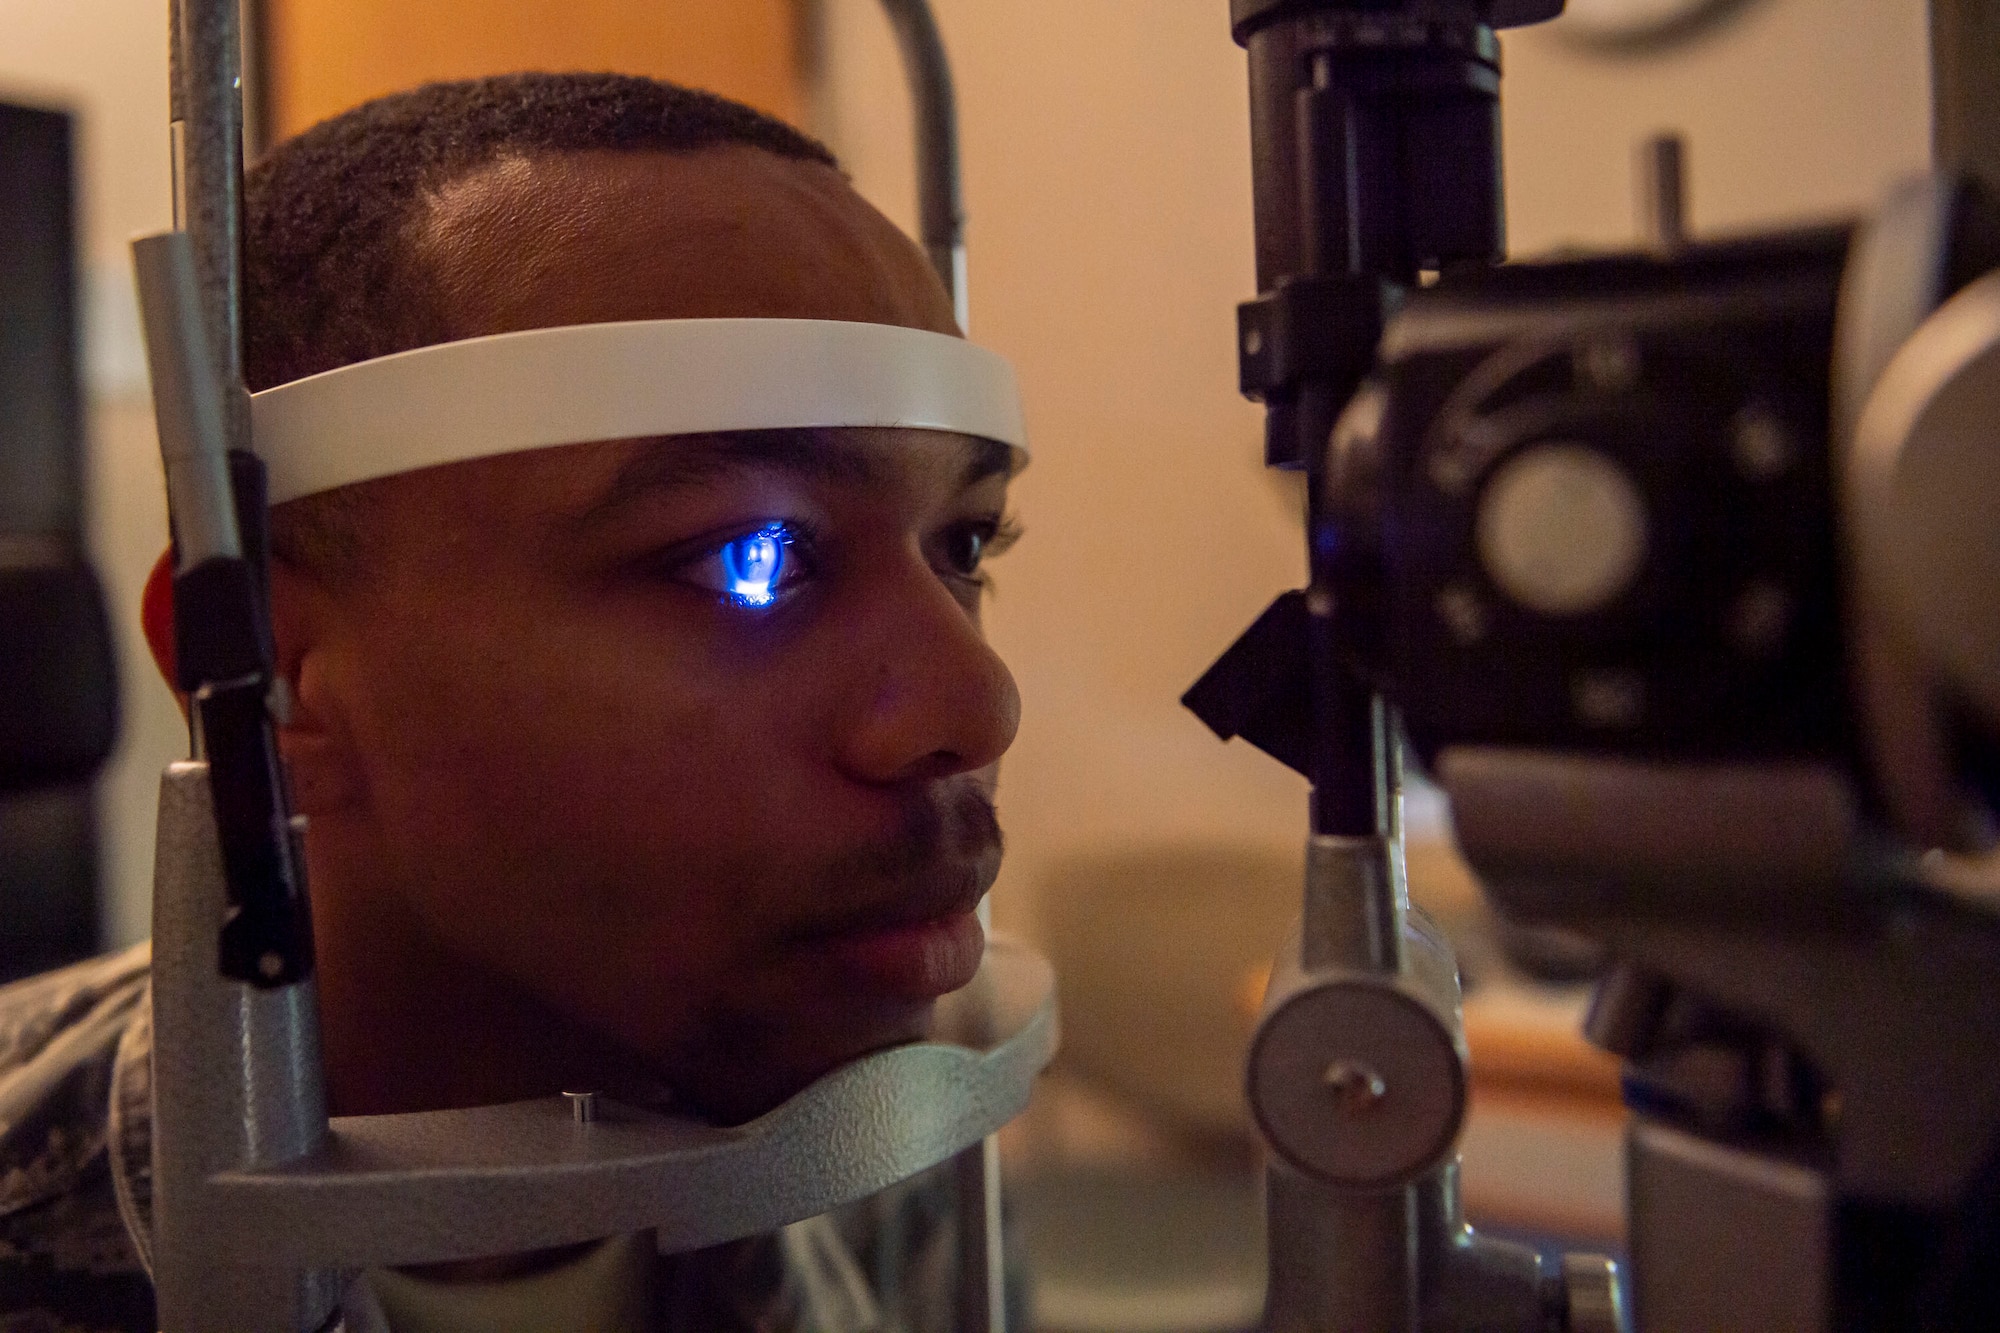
x=753 y=569
x=965 y=547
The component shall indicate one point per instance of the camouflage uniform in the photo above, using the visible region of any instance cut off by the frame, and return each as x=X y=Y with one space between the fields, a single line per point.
x=76 y=1187
x=74 y=1054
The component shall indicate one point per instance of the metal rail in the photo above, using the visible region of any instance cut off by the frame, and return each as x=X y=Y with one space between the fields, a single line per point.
x=940 y=187
x=982 y=1304
x=205 y=91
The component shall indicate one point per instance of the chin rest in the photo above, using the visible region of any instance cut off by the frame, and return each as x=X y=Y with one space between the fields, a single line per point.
x=260 y=1200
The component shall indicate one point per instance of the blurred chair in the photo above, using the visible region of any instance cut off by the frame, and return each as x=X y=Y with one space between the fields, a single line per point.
x=1135 y=1174
x=1156 y=947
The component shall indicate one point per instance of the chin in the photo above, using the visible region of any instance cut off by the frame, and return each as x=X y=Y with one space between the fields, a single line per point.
x=740 y=1089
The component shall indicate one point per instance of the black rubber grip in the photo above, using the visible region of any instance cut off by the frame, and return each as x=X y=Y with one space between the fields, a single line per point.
x=267 y=939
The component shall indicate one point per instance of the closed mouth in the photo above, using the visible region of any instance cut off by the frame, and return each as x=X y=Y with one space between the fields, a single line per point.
x=912 y=962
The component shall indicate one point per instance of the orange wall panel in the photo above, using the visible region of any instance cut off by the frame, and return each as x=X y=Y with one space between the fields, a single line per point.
x=327 y=55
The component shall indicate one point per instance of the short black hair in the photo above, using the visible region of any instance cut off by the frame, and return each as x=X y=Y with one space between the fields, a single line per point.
x=325 y=270
x=327 y=277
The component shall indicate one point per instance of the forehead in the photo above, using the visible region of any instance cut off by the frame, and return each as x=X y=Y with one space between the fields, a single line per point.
x=915 y=463
x=531 y=242
x=733 y=232
x=573 y=492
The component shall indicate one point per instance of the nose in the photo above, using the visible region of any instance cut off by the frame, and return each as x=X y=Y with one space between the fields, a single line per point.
x=931 y=698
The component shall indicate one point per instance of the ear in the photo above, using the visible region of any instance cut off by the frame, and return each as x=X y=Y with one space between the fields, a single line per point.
x=320 y=758
x=156 y=618
x=318 y=761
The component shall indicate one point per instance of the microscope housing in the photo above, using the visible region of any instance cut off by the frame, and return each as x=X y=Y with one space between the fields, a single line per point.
x=1599 y=505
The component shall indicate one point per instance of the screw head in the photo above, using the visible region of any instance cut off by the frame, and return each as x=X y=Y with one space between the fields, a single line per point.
x=1462 y=612
x=1760 y=444
x=1609 y=364
x=1609 y=698
x=1759 y=619
x=1354 y=1085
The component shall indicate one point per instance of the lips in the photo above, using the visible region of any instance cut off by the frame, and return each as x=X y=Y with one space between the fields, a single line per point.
x=916 y=962
x=922 y=940
x=909 y=933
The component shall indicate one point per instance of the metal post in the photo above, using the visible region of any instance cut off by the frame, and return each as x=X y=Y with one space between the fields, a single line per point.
x=940 y=191
x=982 y=1306
x=1663 y=210
x=236 y=1080
x=259 y=111
x=208 y=99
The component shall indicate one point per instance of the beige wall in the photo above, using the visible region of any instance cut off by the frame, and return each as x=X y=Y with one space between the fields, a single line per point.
x=328 y=55
x=1799 y=108
x=1108 y=184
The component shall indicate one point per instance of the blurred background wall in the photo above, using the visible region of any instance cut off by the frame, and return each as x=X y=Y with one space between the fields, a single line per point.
x=323 y=56
x=1108 y=184
x=106 y=60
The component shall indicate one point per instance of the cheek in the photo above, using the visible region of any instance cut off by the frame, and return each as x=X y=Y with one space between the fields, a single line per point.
x=545 y=794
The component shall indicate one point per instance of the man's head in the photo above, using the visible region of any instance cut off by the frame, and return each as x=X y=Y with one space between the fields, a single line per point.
x=582 y=808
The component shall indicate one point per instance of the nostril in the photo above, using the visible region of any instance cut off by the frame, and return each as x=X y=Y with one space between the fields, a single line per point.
x=933 y=766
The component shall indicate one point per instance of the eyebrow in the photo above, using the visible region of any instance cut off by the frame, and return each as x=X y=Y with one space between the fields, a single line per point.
x=688 y=462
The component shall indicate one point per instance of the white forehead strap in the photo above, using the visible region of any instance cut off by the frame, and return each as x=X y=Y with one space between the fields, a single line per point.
x=587 y=382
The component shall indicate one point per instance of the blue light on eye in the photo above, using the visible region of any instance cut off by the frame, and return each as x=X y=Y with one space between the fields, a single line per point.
x=753 y=565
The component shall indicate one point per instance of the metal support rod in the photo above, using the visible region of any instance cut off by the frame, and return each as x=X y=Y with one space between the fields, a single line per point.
x=189 y=419
x=1339 y=1261
x=176 y=117
x=209 y=97
x=982 y=1288
x=1662 y=173
x=223 y=645
x=236 y=1080
x=940 y=191
x=941 y=228
x=259 y=111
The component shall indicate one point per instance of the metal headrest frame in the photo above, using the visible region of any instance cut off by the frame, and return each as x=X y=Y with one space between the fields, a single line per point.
x=261 y=1204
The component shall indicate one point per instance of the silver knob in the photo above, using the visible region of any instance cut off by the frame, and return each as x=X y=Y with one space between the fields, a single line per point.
x=1562 y=529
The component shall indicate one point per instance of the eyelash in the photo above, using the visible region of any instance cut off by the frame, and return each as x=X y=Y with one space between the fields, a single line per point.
x=755 y=569
x=996 y=536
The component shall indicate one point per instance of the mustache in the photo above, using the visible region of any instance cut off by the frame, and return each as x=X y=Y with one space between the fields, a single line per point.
x=938 y=863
